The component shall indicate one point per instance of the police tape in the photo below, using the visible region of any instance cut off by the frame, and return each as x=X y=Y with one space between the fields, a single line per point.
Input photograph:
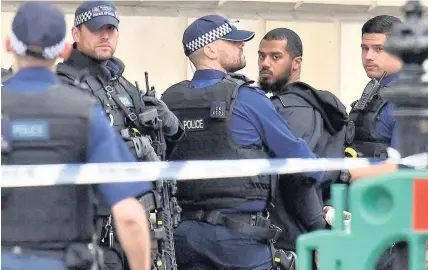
x=97 y=173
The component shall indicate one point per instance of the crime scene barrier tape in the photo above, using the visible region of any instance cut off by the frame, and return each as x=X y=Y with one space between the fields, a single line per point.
x=97 y=173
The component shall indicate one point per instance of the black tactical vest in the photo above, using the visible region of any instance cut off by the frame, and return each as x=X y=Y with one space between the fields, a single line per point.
x=206 y=115
x=367 y=140
x=98 y=79
x=80 y=68
x=51 y=127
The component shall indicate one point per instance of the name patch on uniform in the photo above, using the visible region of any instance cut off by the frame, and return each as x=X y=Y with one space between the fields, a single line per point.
x=125 y=100
x=194 y=124
x=26 y=130
x=218 y=109
x=6 y=143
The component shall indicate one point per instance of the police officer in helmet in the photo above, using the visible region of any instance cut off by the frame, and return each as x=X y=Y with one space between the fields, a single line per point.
x=96 y=33
x=225 y=222
x=46 y=122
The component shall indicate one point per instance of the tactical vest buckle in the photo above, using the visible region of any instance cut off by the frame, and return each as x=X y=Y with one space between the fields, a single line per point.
x=109 y=89
x=132 y=116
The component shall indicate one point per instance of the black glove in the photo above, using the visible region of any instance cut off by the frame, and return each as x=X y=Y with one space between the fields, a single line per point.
x=169 y=120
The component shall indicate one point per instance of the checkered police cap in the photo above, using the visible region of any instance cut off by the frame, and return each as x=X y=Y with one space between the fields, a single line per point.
x=96 y=14
x=209 y=28
x=41 y=25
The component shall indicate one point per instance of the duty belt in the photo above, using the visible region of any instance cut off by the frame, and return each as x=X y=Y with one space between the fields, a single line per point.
x=254 y=224
x=18 y=251
x=77 y=256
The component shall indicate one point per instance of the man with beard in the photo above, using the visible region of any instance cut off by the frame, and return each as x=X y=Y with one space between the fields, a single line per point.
x=316 y=116
x=225 y=222
x=96 y=34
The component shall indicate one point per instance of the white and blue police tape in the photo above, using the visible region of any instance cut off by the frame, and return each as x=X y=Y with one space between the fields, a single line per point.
x=97 y=173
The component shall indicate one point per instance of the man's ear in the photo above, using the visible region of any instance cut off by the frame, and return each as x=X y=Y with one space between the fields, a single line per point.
x=7 y=44
x=65 y=54
x=297 y=63
x=75 y=33
x=210 y=51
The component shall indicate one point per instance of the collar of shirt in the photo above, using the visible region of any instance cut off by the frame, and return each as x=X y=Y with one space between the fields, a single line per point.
x=388 y=79
x=206 y=77
x=113 y=68
x=32 y=79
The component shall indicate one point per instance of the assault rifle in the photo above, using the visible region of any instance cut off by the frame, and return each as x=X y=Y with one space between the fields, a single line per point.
x=162 y=200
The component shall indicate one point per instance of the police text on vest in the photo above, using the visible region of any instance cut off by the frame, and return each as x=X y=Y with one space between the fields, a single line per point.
x=30 y=130
x=194 y=124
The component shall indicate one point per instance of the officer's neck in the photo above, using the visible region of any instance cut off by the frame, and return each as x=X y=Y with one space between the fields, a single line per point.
x=33 y=63
x=101 y=62
x=211 y=66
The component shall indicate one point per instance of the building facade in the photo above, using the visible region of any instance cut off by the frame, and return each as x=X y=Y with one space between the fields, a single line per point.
x=151 y=33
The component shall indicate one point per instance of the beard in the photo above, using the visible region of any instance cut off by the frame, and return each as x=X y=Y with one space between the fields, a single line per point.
x=236 y=67
x=230 y=63
x=273 y=87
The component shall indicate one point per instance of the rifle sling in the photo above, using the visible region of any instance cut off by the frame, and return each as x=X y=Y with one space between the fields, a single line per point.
x=130 y=115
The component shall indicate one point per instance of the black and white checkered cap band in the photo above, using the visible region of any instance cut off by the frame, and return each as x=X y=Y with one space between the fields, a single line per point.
x=95 y=12
x=209 y=37
x=51 y=52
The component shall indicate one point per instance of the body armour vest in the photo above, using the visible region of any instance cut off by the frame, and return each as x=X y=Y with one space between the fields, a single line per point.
x=50 y=127
x=94 y=76
x=206 y=115
x=367 y=140
x=97 y=78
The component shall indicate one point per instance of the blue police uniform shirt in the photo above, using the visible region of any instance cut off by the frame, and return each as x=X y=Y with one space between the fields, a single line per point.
x=255 y=120
x=385 y=126
x=105 y=145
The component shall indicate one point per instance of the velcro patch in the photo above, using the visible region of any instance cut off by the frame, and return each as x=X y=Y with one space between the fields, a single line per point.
x=125 y=100
x=218 y=109
x=194 y=124
x=29 y=130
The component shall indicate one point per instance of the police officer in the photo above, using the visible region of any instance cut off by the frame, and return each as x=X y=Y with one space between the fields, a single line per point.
x=225 y=222
x=375 y=124
x=374 y=121
x=96 y=34
x=316 y=116
x=46 y=122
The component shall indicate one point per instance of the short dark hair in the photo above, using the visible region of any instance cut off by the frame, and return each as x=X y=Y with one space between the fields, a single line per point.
x=294 y=43
x=381 y=24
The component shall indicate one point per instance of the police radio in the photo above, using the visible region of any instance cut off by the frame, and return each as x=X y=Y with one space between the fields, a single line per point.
x=369 y=92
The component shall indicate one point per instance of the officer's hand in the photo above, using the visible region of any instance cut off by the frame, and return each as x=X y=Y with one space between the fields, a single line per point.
x=329 y=212
x=169 y=120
